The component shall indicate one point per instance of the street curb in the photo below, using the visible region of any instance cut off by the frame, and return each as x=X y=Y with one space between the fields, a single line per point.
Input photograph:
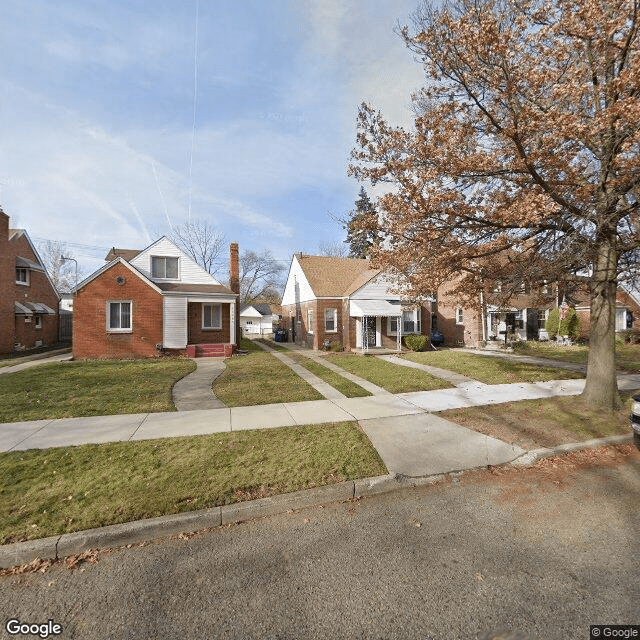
x=119 y=535
x=538 y=454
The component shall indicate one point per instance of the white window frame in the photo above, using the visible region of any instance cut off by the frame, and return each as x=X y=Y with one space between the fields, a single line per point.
x=111 y=329
x=310 y=326
x=459 y=315
x=212 y=327
x=165 y=258
x=334 y=317
x=416 y=319
x=38 y=322
x=26 y=282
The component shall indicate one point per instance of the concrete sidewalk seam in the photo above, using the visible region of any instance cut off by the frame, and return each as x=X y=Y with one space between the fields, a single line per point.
x=138 y=427
x=33 y=433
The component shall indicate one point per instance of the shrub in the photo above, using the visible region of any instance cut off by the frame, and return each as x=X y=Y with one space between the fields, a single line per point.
x=337 y=346
x=570 y=326
x=416 y=343
x=553 y=323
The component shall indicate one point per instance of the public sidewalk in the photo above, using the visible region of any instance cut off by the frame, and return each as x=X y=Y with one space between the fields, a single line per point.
x=41 y=434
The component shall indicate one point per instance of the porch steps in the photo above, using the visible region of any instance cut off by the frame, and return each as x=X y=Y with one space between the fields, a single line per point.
x=209 y=350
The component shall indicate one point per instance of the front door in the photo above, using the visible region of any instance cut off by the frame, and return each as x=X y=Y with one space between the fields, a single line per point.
x=370 y=331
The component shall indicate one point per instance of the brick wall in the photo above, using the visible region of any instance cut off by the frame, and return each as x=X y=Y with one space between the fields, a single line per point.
x=198 y=335
x=469 y=333
x=90 y=336
x=22 y=329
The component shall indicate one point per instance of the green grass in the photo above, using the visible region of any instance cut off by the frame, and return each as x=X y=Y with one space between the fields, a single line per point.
x=55 y=491
x=490 y=370
x=348 y=388
x=394 y=378
x=260 y=378
x=544 y=423
x=627 y=355
x=72 y=389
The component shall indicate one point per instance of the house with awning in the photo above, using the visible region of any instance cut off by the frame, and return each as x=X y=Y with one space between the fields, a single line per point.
x=330 y=300
x=28 y=298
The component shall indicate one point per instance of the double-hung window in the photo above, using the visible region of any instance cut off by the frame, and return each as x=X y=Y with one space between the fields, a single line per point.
x=164 y=267
x=119 y=316
x=22 y=275
x=459 y=315
x=410 y=322
x=330 y=320
x=310 y=326
x=211 y=316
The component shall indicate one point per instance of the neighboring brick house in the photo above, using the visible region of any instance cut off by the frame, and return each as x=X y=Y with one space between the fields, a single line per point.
x=143 y=303
x=344 y=300
x=28 y=298
x=523 y=316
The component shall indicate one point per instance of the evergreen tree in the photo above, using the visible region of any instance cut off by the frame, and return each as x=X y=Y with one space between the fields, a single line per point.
x=361 y=234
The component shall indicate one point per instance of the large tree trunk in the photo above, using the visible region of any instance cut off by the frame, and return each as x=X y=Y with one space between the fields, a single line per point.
x=601 y=388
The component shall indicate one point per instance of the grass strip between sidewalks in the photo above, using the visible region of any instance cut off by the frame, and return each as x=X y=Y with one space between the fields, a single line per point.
x=549 y=422
x=54 y=491
x=107 y=387
x=392 y=377
x=260 y=378
x=490 y=370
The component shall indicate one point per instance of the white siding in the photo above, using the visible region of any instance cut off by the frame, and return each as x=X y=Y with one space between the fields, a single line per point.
x=380 y=288
x=189 y=271
x=174 y=315
x=297 y=288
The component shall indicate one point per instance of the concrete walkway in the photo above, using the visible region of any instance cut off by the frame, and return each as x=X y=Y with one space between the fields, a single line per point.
x=322 y=387
x=408 y=437
x=536 y=360
x=456 y=379
x=365 y=384
x=194 y=391
x=60 y=355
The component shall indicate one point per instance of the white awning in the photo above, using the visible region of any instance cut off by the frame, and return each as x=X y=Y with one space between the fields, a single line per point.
x=360 y=308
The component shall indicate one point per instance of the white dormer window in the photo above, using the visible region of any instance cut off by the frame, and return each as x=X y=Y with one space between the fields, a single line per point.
x=164 y=267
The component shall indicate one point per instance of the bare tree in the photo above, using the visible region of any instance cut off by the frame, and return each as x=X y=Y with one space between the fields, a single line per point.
x=62 y=272
x=260 y=276
x=202 y=241
x=335 y=249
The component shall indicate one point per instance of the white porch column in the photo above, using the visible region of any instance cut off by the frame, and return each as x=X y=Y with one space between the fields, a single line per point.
x=232 y=323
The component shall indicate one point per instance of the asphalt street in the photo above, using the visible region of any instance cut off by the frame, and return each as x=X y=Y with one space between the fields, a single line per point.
x=545 y=551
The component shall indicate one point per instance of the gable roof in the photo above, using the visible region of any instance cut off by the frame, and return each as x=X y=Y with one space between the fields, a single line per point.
x=106 y=267
x=126 y=254
x=335 y=277
x=15 y=234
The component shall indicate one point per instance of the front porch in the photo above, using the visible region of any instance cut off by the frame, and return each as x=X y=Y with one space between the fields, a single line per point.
x=214 y=350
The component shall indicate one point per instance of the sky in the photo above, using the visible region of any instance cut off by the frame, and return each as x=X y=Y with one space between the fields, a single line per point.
x=121 y=119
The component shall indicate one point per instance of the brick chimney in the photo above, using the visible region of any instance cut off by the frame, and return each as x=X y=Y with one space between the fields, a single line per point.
x=234 y=268
x=4 y=227
x=234 y=282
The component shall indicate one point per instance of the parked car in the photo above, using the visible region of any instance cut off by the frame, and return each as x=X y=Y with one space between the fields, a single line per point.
x=437 y=339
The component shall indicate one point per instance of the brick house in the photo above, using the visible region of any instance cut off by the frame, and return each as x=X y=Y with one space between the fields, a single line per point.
x=344 y=300
x=143 y=303
x=522 y=316
x=28 y=299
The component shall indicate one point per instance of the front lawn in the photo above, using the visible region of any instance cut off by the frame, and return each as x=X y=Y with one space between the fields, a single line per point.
x=392 y=377
x=260 y=378
x=627 y=355
x=61 y=490
x=549 y=422
x=488 y=369
x=106 y=387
